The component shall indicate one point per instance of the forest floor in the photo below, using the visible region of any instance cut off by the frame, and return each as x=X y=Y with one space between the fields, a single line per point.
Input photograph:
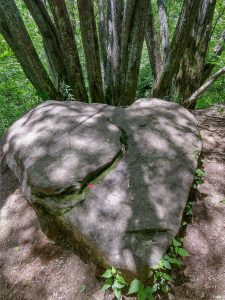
x=34 y=267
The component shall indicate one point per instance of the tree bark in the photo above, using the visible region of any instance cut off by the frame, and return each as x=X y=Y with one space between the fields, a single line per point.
x=102 y=25
x=133 y=32
x=179 y=43
x=50 y=40
x=69 y=49
x=192 y=99
x=14 y=31
x=91 y=49
x=153 y=46
x=193 y=69
x=115 y=10
x=164 y=30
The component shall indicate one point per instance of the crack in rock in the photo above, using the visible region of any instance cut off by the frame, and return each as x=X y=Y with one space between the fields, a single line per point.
x=141 y=161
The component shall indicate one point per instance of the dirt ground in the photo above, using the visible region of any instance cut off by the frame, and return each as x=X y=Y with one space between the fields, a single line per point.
x=34 y=267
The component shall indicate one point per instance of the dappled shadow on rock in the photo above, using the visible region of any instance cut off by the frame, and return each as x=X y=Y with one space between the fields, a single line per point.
x=140 y=161
x=31 y=265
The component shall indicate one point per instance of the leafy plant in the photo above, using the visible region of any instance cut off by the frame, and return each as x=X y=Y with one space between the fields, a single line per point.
x=222 y=200
x=66 y=91
x=176 y=248
x=188 y=211
x=199 y=174
x=161 y=276
x=189 y=207
x=142 y=292
x=115 y=281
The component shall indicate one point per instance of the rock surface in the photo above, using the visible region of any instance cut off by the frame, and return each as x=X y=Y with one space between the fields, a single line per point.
x=140 y=162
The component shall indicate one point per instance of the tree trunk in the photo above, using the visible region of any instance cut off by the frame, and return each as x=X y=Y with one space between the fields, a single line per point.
x=133 y=32
x=50 y=40
x=69 y=49
x=102 y=33
x=164 y=30
x=115 y=10
x=153 y=46
x=192 y=100
x=163 y=86
x=16 y=35
x=193 y=69
x=91 y=49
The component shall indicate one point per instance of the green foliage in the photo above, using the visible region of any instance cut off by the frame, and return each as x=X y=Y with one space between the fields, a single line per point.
x=145 y=80
x=115 y=281
x=188 y=211
x=16 y=93
x=189 y=208
x=216 y=93
x=66 y=91
x=161 y=275
x=162 y=278
x=222 y=200
x=199 y=174
x=142 y=292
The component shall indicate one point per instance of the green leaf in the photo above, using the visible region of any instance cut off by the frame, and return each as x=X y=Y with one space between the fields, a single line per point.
x=149 y=293
x=113 y=271
x=183 y=252
x=135 y=286
x=107 y=274
x=176 y=243
x=108 y=284
x=167 y=277
x=120 y=279
x=175 y=261
x=222 y=200
x=160 y=265
x=118 y=285
x=155 y=287
x=142 y=294
x=165 y=288
x=166 y=264
x=200 y=173
x=117 y=293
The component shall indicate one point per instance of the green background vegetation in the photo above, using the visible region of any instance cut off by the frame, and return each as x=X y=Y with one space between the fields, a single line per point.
x=17 y=94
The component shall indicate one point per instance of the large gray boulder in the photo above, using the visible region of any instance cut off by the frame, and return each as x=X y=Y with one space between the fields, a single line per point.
x=115 y=181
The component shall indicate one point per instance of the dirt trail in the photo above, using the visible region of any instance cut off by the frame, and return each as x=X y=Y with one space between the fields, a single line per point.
x=205 y=236
x=33 y=267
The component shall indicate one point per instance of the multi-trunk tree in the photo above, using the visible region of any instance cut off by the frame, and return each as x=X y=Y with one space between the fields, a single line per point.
x=112 y=32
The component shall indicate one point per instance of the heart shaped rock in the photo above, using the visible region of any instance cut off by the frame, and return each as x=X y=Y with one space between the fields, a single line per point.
x=114 y=181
